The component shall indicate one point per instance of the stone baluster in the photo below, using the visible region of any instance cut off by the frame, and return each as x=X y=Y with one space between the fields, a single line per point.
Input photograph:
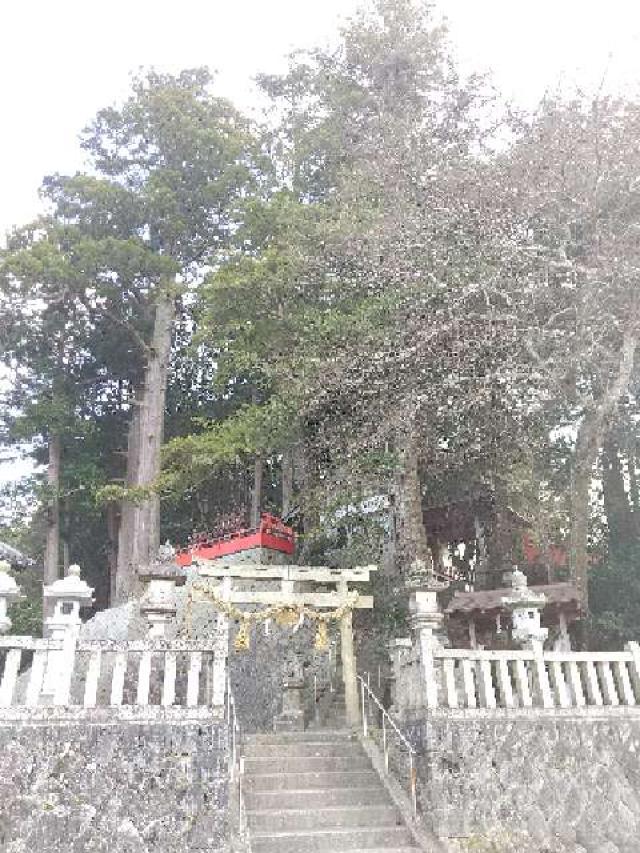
x=93 y=676
x=608 y=685
x=523 y=691
x=623 y=682
x=468 y=682
x=504 y=683
x=559 y=684
x=193 y=679
x=450 y=682
x=593 y=687
x=486 y=692
x=575 y=684
x=117 y=678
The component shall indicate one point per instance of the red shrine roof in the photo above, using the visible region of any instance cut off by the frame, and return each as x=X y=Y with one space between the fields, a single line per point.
x=558 y=594
x=271 y=533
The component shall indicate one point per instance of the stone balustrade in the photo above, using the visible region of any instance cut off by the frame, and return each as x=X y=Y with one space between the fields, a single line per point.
x=525 y=678
x=70 y=673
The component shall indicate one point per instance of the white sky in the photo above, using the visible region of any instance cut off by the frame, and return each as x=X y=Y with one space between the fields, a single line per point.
x=61 y=60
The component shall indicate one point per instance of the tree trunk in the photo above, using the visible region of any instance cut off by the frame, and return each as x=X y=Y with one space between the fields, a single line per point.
x=413 y=548
x=287 y=481
x=256 y=491
x=616 y=501
x=113 y=522
x=66 y=537
x=634 y=493
x=52 y=540
x=52 y=543
x=588 y=444
x=139 y=535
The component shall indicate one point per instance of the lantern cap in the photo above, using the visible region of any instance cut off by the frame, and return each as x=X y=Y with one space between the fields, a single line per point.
x=71 y=587
x=8 y=587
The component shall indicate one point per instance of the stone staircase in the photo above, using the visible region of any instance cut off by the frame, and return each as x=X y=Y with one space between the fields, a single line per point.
x=317 y=792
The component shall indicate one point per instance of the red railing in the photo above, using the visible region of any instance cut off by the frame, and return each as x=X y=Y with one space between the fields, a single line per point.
x=272 y=533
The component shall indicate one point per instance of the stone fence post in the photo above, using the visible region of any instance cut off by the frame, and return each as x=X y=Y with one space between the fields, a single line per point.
x=427 y=622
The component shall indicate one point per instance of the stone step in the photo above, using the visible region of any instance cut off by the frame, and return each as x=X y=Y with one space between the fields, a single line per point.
x=305 y=764
x=330 y=840
x=334 y=817
x=317 y=798
x=331 y=735
x=305 y=781
x=293 y=749
x=383 y=850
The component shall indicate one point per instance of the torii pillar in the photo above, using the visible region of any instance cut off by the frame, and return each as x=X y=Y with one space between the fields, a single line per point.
x=349 y=662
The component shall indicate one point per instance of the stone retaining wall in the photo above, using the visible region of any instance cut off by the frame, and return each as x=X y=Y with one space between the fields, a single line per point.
x=113 y=787
x=531 y=782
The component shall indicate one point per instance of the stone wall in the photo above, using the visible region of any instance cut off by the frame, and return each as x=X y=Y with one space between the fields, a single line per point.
x=531 y=782
x=113 y=787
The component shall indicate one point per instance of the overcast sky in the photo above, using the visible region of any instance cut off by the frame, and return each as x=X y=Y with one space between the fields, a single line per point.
x=61 y=60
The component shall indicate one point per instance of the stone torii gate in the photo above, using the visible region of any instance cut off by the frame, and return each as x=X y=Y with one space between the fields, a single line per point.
x=291 y=577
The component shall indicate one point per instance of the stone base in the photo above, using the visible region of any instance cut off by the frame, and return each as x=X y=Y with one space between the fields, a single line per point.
x=253 y=556
x=289 y=722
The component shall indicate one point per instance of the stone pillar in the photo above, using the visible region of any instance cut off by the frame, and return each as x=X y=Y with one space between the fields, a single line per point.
x=221 y=650
x=427 y=621
x=349 y=662
x=9 y=592
x=398 y=650
x=64 y=597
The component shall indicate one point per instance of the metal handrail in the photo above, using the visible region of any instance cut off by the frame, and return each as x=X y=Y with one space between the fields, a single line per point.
x=387 y=721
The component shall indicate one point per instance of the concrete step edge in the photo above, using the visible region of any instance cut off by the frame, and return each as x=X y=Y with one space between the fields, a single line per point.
x=363 y=789
x=317 y=767
x=291 y=750
x=350 y=808
x=326 y=831
x=340 y=734
x=289 y=773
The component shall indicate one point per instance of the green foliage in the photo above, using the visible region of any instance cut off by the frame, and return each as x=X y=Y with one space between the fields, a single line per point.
x=254 y=428
x=614 y=595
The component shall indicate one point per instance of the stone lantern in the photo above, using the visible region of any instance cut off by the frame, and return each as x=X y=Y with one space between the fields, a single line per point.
x=9 y=592
x=158 y=603
x=292 y=716
x=427 y=619
x=526 y=609
x=67 y=596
